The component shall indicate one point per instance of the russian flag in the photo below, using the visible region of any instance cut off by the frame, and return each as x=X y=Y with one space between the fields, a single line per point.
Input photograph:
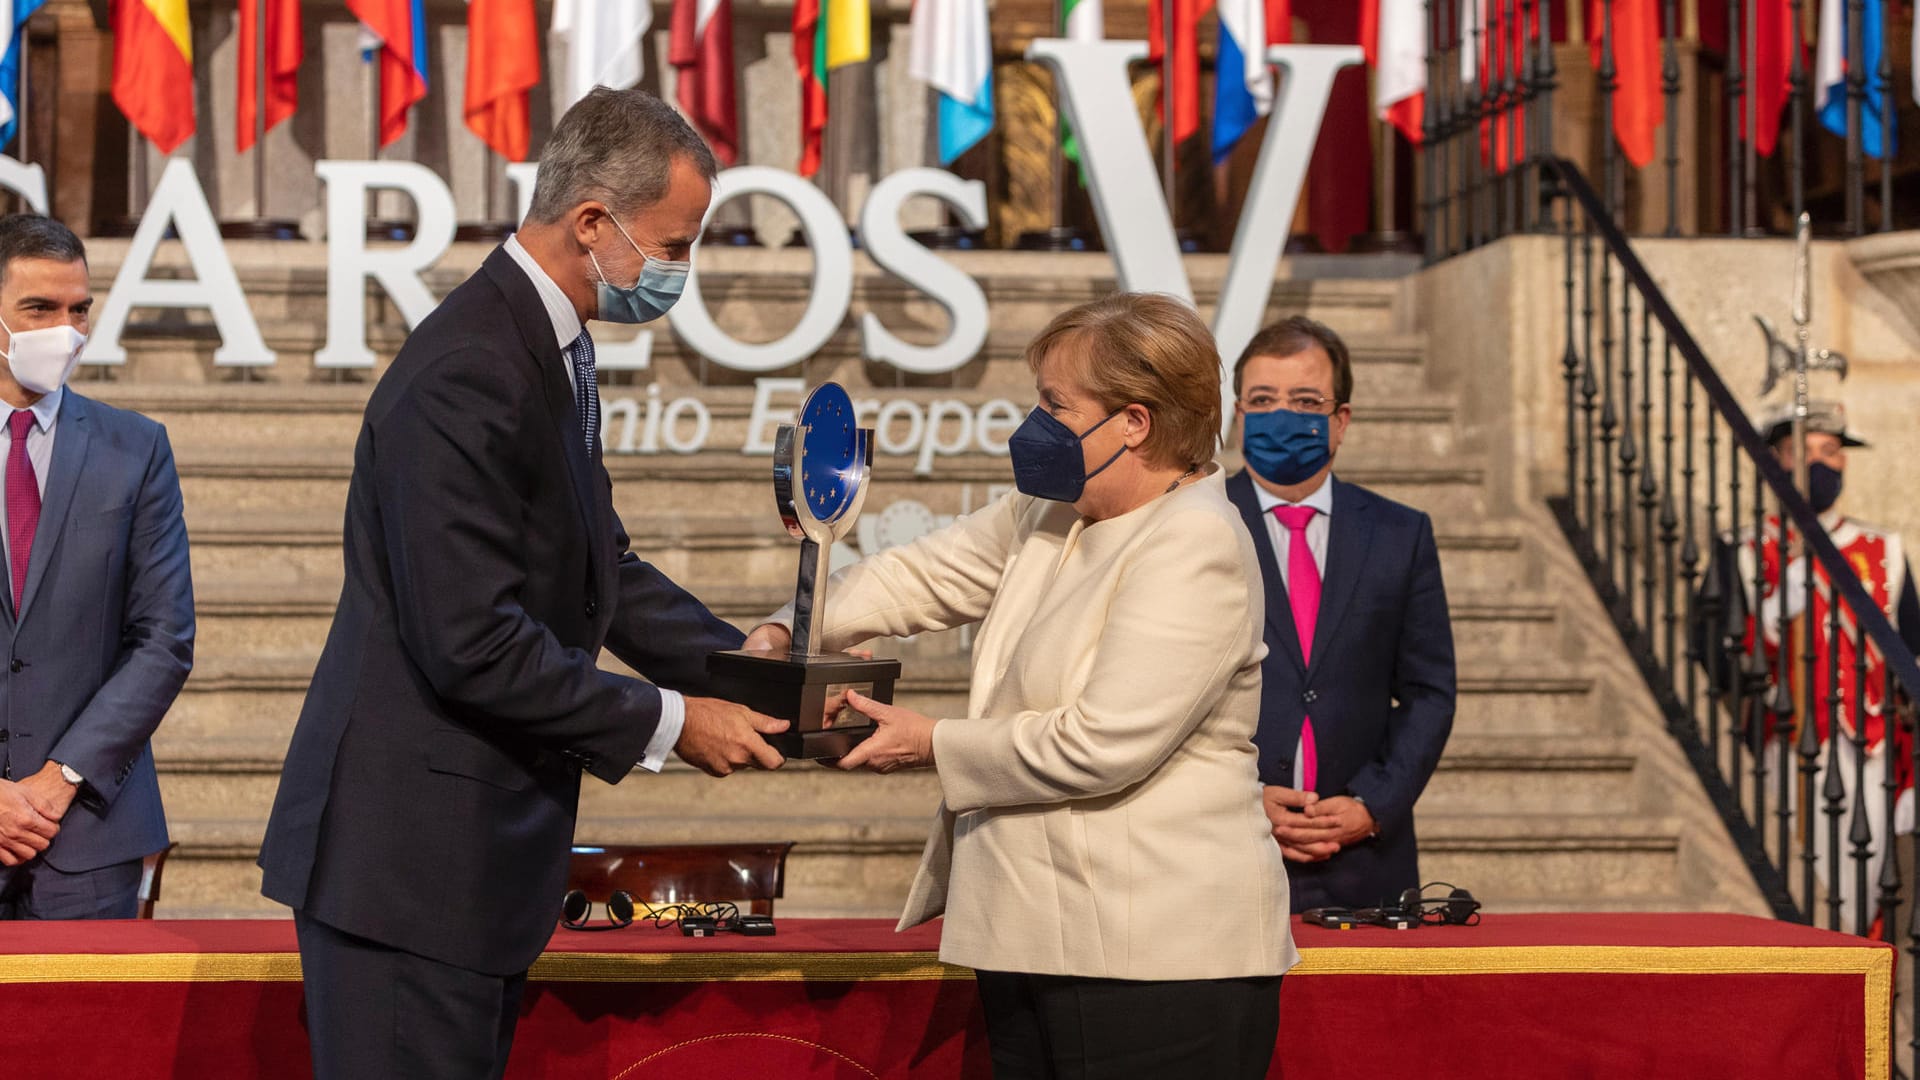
x=953 y=53
x=1243 y=84
x=398 y=29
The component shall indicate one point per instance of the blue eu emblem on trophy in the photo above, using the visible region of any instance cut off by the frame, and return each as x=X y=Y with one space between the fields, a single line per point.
x=821 y=468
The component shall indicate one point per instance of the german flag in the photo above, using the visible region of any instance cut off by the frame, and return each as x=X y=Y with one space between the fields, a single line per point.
x=153 y=68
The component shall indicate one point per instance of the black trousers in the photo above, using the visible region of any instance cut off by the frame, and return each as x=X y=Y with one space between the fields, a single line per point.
x=38 y=891
x=1055 y=1027
x=380 y=1013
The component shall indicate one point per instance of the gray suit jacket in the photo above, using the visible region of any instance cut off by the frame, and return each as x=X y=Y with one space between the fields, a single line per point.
x=103 y=639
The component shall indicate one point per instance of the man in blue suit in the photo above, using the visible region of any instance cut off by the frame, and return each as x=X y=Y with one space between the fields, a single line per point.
x=1358 y=684
x=98 y=606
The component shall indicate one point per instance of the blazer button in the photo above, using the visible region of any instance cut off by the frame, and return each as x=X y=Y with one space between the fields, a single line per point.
x=15 y=667
x=1310 y=696
x=4 y=735
x=593 y=608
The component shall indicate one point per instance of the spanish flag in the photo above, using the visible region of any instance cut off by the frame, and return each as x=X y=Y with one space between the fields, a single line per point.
x=153 y=68
x=826 y=34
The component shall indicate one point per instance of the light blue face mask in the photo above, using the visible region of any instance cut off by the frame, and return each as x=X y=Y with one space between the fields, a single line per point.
x=660 y=285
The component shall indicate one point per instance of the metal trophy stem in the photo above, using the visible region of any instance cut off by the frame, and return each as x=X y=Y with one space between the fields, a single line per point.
x=821 y=469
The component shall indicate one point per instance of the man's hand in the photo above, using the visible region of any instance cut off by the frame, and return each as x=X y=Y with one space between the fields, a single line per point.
x=24 y=830
x=1349 y=818
x=903 y=738
x=1302 y=837
x=720 y=737
x=50 y=792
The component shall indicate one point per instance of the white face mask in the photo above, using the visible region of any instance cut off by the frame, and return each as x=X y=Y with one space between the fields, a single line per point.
x=42 y=359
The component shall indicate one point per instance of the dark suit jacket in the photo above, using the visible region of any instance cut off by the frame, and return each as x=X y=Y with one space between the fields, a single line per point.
x=1380 y=688
x=428 y=797
x=103 y=639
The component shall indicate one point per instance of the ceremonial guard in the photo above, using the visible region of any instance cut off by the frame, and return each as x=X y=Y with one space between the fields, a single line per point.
x=1746 y=568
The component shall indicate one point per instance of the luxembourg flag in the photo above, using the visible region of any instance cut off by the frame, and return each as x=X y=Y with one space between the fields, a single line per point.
x=1393 y=33
x=1243 y=84
x=953 y=53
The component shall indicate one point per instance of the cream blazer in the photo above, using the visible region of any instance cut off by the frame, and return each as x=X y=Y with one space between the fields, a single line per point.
x=1101 y=811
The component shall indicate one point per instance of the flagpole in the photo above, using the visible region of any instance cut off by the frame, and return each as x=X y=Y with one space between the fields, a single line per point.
x=379 y=228
x=489 y=229
x=1058 y=235
x=1166 y=109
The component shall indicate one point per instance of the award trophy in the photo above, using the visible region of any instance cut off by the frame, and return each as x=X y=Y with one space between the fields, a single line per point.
x=820 y=470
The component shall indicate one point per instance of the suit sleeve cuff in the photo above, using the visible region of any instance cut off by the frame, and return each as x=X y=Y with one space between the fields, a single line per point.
x=673 y=717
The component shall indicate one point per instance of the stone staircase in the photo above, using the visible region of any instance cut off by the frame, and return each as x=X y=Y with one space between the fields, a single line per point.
x=1558 y=791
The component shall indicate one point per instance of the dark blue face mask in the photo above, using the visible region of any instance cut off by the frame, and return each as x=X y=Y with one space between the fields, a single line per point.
x=1286 y=447
x=1823 y=486
x=1047 y=460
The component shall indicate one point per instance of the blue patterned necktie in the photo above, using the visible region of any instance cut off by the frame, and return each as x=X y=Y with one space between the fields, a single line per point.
x=586 y=389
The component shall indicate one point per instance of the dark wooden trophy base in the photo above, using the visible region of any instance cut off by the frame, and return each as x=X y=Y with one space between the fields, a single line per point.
x=797 y=688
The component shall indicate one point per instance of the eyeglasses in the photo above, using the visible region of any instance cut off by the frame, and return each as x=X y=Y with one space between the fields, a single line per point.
x=576 y=910
x=1261 y=401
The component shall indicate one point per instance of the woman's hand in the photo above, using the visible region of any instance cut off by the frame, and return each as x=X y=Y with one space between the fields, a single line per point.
x=904 y=739
x=771 y=637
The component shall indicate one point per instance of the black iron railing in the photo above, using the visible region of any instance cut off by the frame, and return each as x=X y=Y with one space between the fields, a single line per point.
x=1489 y=128
x=1790 y=695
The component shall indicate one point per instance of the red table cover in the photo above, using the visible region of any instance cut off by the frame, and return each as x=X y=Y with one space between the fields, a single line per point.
x=1517 y=996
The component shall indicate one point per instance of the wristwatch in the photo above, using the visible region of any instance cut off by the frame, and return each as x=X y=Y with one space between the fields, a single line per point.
x=71 y=777
x=1374 y=835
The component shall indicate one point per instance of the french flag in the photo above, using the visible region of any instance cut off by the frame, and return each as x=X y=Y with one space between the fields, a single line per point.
x=1243 y=84
x=1393 y=33
x=953 y=53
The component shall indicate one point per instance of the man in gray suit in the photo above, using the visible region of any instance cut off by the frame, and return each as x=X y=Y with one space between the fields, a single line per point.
x=97 y=611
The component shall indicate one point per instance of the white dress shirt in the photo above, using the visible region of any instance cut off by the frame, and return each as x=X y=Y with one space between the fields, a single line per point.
x=46 y=412
x=567 y=327
x=1317 y=529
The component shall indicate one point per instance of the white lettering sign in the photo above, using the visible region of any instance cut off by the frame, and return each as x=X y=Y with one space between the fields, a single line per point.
x=350 y=264
x=179 y=201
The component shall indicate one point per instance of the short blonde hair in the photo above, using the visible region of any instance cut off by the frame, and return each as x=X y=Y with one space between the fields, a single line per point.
x=1149 y=349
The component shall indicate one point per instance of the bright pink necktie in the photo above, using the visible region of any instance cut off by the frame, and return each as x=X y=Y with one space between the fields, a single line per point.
x=1303 y=592
x=23 y=503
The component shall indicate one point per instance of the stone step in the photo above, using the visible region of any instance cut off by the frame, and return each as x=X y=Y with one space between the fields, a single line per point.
x=1395 y=422
x=1533 y=775
x=752 y=294
x=264 y=550
x=237 y=620
x=1596 y=856
x=259 y=697
x=842 y=868
x=719 y=481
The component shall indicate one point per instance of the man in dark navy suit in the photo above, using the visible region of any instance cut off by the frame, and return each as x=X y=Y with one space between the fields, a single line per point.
x=97 y=612
x=421 y=829
x=1358 y=684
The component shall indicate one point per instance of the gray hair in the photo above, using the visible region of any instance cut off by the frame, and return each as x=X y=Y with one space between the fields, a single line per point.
x=36 y=236
x=616 y=146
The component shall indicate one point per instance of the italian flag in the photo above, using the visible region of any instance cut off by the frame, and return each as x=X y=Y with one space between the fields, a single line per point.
x=153 y=69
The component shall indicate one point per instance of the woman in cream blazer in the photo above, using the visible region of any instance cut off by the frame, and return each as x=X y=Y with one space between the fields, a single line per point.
x=1101 y=854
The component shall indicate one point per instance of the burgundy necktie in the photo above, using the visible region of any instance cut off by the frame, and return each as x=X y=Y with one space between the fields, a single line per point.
x=23 y=503
x=1303 y=592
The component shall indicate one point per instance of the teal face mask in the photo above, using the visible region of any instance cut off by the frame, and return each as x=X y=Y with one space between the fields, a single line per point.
x=660 y=285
